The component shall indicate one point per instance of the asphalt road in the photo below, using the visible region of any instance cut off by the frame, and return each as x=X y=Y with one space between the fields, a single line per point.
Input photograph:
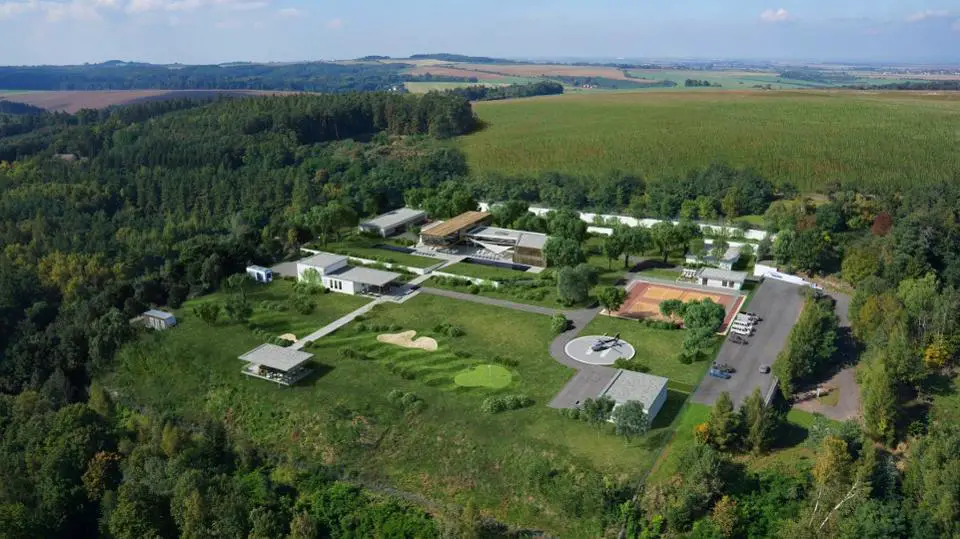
x=779 y=304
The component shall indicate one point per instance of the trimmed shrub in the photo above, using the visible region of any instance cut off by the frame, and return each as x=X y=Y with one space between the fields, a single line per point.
x=449 y=330
x=631 y=365
x=506 y=361
x=495 y=405
x=559 y=323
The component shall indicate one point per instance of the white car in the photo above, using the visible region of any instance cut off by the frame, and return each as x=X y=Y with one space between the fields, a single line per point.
x=742 y=331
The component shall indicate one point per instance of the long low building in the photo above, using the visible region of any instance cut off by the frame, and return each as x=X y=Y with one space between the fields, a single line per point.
x=393 y=222
x=334 y=273
x=718 y=278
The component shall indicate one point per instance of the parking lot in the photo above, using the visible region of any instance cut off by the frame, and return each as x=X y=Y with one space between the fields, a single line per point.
x=779 y=305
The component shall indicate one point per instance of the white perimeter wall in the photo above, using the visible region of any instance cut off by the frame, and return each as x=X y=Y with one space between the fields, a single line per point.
x=591 y=218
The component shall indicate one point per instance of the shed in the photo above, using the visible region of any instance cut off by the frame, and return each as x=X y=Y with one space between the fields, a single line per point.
x=158 y=320
x=260 y=274
x=649 y=390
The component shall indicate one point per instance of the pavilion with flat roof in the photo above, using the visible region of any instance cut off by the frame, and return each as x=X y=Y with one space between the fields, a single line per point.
x=277 y=364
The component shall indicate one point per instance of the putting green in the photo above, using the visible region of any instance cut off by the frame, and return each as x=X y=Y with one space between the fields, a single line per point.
x=486 y=375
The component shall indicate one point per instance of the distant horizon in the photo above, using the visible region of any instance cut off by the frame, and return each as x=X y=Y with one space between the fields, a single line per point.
x=71 y=32
x=560 y=59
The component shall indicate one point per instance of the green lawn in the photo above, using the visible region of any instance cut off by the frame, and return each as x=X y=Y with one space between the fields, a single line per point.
x=489 y=273
x=691 y=416
x=809 y=137
x=660 y=273
x=542 y=296
x=657 y=348
x=530 y=466
x=274 y=313
x=364 y=247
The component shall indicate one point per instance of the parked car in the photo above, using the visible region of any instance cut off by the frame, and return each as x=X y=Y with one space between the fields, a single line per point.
x=723 y=367
x=765 y=369
x=737 y=339
x=754 y=316
x=746 y=332
x=719 y=374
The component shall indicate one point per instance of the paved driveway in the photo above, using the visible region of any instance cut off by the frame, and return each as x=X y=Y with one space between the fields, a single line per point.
x=779 y=304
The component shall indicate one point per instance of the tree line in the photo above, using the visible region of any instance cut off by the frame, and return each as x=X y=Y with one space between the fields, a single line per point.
x=513 y=91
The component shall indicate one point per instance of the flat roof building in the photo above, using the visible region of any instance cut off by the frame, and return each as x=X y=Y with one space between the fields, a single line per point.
x=334 y=273
x=260 y=274
x=719 y=278
x=649 y=390
x=392 y=222
x=450 y=232
x=726 y=262
x=276 y=364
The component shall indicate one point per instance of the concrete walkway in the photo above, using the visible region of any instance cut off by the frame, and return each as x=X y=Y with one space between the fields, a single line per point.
x=337 y=324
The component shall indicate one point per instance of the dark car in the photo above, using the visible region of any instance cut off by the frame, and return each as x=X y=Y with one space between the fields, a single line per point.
x=723 y=367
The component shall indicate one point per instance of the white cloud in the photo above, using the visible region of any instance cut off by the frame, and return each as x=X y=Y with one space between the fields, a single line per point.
x=335 y=24
x=928 y=14
x=57 y=10
x=291 y=13
x=174 y=6
x=775 y=15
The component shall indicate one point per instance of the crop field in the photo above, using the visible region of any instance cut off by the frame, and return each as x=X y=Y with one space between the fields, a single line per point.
x=810 y=138
x=530 y=466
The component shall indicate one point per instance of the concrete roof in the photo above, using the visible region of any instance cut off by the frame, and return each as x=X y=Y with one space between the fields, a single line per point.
x=395 y=218
x=258 y=268
x=365 y=276
x=532 y=240
x=723 y=275
x=635 y=386
x=154 y=313
x=276 y=357
x=522 y=238
x=322 y=260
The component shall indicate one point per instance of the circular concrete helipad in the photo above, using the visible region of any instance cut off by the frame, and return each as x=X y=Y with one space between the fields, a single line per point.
x=582 y=350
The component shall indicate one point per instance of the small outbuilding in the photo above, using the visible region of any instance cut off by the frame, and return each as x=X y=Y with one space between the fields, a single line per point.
x=276 y=364
x=649 y=390
x=260 y=274
x=158 y=320
x=718 y=278
x=726 y=262
x=393 y=222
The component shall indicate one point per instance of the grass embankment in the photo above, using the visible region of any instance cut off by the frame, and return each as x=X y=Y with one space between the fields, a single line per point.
x=490 y=273
x=363 y=247
x=809 y=138
x=530 y=466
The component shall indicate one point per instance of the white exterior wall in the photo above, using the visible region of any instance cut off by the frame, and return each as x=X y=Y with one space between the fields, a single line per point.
x=657 y=404
x=761 y=270
x=716 y=283
x=340 y=286
x=301 y=268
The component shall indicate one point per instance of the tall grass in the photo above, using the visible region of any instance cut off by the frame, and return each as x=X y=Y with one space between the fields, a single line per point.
x=810 y=138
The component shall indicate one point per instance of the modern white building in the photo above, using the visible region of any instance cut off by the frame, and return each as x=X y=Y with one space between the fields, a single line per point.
x=260 y=274
x=718 y=278
x=649 y=390
x=726 y=262
x=158 y=320
x=334 y=272
x=393 y=222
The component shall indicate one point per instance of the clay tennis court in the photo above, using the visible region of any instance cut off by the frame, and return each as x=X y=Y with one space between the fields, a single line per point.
x=643 y=300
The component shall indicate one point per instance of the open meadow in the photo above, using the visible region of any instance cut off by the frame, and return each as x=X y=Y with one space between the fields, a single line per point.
x=810 y=138
x=531 y=466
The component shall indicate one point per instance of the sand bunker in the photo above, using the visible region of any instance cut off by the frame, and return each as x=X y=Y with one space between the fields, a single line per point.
x=406 y=340
x=289 y=337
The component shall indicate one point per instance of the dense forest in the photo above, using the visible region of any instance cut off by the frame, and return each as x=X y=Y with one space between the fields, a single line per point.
x=161 y=201
x=306 y=77
x=494 y=93
x=930 y=85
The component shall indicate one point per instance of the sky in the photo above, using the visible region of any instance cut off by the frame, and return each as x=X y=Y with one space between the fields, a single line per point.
x=214 y=31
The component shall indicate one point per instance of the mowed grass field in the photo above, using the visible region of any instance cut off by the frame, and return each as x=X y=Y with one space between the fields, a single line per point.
x=810 y=137
x=531 y=466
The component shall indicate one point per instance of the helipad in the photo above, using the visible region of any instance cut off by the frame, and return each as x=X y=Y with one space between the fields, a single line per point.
x=582 y=350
